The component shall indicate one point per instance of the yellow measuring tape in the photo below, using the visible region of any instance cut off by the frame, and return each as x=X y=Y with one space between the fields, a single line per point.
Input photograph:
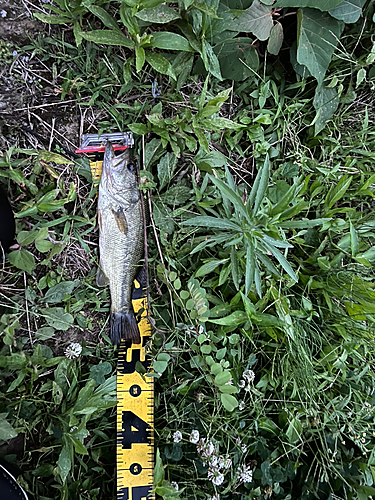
x=135 y=406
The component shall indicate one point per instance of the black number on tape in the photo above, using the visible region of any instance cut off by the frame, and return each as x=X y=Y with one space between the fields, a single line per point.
x=135 y=469
x=134 y=430
x=135 y=390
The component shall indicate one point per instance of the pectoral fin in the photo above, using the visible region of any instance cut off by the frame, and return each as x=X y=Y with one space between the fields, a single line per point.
x=101 y=278
x=120 y=219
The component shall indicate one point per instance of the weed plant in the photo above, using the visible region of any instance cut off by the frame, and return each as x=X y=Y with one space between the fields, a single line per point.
x=256 y=162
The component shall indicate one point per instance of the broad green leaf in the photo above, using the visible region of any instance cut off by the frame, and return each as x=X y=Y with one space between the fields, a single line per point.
x=22 y=259
x=213 y=222
x=322 y=5
x=304 y=223
x=261 y=186
x=220 y=124
x=160 y=64
x=166 y=168
x=317 y=37
x=24 y=238
x=98 y=372
x=294 y=431
x=57 y=293
x=337 y=192
x=234 y=319
x=222 y=378
x=228 y=389
x=257 y=19
x=108 y=37
x=159 y=366
x=138 y=128
x=210 y=60
x=57 y=318
x=140 y=58
x=78 y=446
x=208 y=267
x=229 y=193
x=230 y=403
x=106 y=18
x=51 y=19
x=44 y=245
x=276 y=39
x=348 y=11
x=128 y=20
x=158 y=470
x=282 y=261
x=353 y=240
x=169 y=41
x=7 y=431
x=325 y=103
x=234 y=267
x=64 y=462
x=250 y=267
x=160 y=14
x=238 y=58
x=53 y=157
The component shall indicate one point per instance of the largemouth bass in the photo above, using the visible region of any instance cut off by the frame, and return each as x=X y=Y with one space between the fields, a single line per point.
x=121 y=241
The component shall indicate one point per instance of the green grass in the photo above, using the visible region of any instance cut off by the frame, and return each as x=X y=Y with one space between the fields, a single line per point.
x=260 y=251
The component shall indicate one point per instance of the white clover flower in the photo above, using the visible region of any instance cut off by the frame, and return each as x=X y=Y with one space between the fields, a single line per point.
x=177 y=436
x=245 y=474
x=210 y=448
x=194 y=436
x=249 y=376
x=241 y=405
x=241 y=383
x=243 y=448
x=174 y=485
x=227 y=463
x=73 y=350
x=3 y=13
x=221 y=462
x=215 y=476
x=214 y=461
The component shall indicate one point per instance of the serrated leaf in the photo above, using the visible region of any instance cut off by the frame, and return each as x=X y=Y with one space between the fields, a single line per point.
x=325 y=102
x=108 y=37
x=276 y=39
x=317 y=37
x=257 y=19
x=22 y=259
x=160 y=14
x=348 y=11
x=43 y=245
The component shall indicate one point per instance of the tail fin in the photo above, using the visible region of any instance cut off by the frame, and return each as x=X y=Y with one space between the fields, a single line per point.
x=124 y=326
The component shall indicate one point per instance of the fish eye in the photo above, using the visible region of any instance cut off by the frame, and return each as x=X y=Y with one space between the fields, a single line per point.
x=131 y=167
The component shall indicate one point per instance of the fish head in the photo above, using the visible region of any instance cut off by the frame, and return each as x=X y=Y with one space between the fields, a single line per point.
x=118 y=172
